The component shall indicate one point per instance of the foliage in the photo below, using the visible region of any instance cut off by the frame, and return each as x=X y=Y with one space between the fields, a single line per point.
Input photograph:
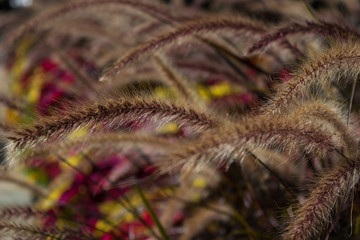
x=222 y=120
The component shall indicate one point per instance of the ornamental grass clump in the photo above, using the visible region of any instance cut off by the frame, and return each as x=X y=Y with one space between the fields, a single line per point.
x=198 y=120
